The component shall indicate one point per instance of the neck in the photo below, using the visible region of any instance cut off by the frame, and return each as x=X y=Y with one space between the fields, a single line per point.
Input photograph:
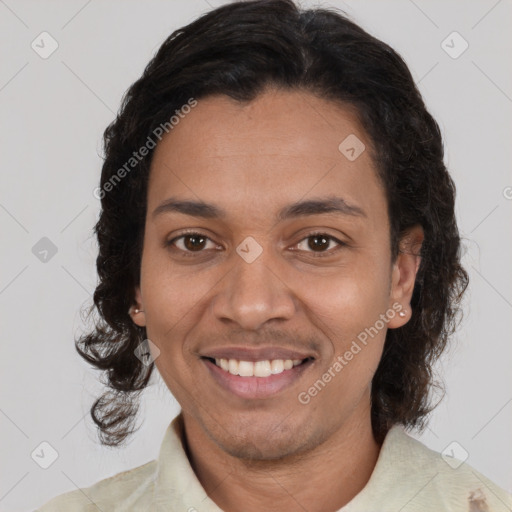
x=324 y=479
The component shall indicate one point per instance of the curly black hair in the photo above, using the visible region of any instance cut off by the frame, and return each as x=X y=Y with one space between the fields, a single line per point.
x=238 y=50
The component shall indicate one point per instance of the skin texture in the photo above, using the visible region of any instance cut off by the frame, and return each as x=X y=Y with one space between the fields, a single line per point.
x=251 y=160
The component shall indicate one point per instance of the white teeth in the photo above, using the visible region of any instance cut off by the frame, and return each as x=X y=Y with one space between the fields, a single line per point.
x=257 y=369
x=245 y=368
x=233 y=366
x=277 y=366
x=288 y=364
x=262 y=369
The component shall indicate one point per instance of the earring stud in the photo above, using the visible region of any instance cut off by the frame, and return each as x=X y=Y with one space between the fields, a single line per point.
x=402 y=313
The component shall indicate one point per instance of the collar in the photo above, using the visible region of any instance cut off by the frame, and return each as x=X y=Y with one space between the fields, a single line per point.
x=407 y=475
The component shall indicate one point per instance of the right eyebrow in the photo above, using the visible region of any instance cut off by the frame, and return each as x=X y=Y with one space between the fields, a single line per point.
x=192 y=208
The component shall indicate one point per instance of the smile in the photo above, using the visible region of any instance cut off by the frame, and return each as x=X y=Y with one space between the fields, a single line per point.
x=256 y=379
x=257 y=368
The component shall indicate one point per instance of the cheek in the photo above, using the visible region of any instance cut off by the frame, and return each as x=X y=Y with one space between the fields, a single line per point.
x=174 y=301
x=347 y=307
x=349 y=312
x=355 y=293
x=166 y=296
x=349 y=380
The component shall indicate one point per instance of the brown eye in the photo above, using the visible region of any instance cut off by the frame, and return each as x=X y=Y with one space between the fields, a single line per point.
x=191 y=243
x=317 y=244
x=194 y=242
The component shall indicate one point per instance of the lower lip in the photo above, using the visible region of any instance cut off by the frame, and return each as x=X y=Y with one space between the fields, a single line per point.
x=256 y=387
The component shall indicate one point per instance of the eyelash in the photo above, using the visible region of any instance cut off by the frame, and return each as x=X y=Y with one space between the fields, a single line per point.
x=187 y=253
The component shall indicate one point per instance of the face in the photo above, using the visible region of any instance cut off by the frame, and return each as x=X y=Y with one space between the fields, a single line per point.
x=286 y=258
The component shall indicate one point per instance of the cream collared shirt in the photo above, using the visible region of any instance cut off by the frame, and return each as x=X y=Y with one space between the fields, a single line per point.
x=408 y=477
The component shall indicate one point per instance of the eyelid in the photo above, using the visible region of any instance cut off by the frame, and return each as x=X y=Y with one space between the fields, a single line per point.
x=303 y=238
x=320 y=254
x=191 y=232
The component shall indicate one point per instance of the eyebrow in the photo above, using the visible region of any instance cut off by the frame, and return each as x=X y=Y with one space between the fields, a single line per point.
x=331 y=204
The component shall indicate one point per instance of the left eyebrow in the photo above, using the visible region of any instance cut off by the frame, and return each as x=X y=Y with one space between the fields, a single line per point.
x=331 y=204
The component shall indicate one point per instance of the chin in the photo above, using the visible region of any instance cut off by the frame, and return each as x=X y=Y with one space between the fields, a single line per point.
x=261 y=450
x=261 y=441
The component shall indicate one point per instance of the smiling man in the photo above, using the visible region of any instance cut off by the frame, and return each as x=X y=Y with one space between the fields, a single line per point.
x=286 y=255
x=240 y=334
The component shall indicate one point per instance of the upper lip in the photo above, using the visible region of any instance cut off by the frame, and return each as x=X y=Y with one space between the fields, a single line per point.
x=254 y=354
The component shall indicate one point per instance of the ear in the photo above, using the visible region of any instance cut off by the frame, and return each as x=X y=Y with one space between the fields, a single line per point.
x=403 y=276
x=136 y=312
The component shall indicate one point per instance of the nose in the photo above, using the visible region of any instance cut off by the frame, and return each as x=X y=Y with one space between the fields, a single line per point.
x=253 y=293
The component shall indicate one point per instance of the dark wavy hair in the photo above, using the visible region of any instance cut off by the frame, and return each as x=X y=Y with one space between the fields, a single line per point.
x=239 y=50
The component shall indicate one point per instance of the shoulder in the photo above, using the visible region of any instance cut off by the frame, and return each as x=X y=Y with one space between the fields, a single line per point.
x=132 y=488
x=442 y=479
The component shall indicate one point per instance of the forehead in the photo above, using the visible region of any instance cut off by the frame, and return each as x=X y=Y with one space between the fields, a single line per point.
x=274 y=150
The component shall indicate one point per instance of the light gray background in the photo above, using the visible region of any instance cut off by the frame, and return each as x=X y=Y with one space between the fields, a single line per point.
x=53 y=113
